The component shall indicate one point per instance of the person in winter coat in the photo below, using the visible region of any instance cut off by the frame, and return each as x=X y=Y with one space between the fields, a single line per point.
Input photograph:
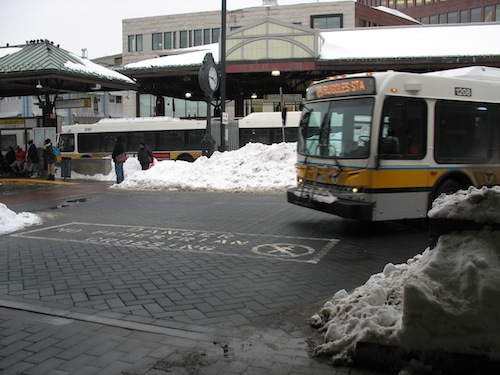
x=145 y=156
x=117 y=150
x=10 y=157
x=17 y=165
x=33 y=159
x=50 y=158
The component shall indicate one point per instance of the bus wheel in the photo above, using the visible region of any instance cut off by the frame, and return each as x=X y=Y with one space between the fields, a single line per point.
x=185 y=157
x=448 y=187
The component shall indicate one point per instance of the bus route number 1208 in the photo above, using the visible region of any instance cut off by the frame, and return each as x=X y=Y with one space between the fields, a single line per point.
x=463 y=91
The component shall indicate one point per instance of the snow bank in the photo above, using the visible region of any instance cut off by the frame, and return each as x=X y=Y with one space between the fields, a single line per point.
x=446 y=299
x=10 y=221
x=252 y=168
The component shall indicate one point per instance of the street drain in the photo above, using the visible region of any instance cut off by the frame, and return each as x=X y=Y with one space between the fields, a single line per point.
x=70 y=203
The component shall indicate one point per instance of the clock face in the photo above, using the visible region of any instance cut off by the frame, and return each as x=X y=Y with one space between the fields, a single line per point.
x=213 y=78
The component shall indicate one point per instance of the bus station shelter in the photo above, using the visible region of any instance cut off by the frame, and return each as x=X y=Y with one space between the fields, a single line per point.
x=40 y=68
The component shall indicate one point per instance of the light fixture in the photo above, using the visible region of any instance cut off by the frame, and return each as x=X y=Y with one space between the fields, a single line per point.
x=39 y=86
x=97 y=86
x=187 y=95
x=254 y=96
x=275 y=73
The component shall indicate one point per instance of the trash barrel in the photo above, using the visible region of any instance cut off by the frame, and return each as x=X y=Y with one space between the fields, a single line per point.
x=65 y=167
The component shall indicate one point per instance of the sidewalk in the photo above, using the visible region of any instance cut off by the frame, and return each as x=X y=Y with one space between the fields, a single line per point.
x=40 y=339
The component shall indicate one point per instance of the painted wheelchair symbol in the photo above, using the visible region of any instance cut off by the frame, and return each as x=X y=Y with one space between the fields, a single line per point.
x=283 y=250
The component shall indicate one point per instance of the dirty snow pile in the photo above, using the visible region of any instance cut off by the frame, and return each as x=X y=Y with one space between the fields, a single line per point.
x=446 y=299
x=253 y=168
x=10 y=221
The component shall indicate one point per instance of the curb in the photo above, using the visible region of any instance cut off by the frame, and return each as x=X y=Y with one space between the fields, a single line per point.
x=31 y=181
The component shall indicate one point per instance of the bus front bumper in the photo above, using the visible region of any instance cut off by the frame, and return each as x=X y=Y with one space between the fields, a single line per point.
x=341 y=207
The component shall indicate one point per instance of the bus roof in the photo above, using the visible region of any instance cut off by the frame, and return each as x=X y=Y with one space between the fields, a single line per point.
x=269 y=120
x=134 y=123
x=476 y=83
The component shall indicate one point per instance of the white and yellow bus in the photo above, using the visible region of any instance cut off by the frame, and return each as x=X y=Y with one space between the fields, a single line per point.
x=383 y=146
x=172 y=138
x=168 y=138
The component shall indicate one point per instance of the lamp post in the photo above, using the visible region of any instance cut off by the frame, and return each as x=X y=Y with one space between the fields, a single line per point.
x=222 y=59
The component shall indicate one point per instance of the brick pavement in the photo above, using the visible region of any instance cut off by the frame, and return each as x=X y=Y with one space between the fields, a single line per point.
x=160 y=293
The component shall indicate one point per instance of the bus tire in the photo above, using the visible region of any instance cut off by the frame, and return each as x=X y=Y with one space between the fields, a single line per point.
x=185 y=157
x=449 y=186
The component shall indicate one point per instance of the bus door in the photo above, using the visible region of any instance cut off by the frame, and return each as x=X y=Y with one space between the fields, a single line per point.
x=402 y=177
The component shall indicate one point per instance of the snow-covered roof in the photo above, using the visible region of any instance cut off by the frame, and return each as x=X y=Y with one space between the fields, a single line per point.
x=180 y=57
x=372 y=43
x=411 y=41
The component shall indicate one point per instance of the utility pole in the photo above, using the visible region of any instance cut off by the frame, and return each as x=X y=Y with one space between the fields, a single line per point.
x=222 y=59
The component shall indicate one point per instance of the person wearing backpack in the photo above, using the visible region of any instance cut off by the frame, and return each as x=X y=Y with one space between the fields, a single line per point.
x=145 y=156
x=50 y=158
x=56 y=150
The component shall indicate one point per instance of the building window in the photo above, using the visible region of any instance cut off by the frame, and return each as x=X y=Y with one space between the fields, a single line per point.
x=169 y=40
x=475 y=15
x=156 y=40
x=183 y=39
x=463 y=16
x=488 y=13
x=424 y=20
x=198 y=37
x=433 y=20
x=453 y=17
x=135 y=43
x=497 y=12
x=215 y=35
x=442 y=18
x=323 y=22
x=206 y=36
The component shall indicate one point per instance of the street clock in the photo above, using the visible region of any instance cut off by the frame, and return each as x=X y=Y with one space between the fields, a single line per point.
x=208 y=76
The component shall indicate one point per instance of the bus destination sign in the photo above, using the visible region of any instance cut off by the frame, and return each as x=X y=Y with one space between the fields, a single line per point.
x=340 y=88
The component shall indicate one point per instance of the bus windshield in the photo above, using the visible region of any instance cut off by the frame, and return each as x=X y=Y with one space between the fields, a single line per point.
x=337 y=129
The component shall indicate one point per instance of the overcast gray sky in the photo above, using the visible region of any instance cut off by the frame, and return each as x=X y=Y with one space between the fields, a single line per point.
x=93 y=24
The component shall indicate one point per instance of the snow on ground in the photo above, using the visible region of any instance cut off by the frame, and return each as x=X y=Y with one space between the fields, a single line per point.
x=446 y=298
x=253 y=168
x=11 y=222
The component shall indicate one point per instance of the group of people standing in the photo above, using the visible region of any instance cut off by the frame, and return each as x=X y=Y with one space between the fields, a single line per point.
x=19 y=161
x=144 y=155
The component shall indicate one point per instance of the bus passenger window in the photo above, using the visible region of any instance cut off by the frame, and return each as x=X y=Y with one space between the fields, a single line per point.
x=404 y=129
x=67 y=142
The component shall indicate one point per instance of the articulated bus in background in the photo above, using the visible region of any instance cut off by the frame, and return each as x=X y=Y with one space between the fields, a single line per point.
x=168 y=138
x=383 y=146
x=171 y=138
